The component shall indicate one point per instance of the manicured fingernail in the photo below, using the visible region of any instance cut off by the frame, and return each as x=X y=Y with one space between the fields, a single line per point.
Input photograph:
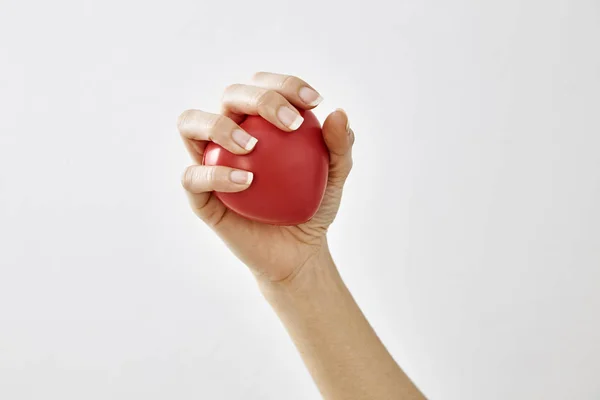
x=244 y=139
x=241 y=177
x=310 y=96
x=289 y=117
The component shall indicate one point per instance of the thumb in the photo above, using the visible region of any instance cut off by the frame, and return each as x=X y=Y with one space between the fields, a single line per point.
x=339 y=139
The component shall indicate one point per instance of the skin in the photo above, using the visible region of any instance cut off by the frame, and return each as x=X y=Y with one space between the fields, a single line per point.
x=296 y=272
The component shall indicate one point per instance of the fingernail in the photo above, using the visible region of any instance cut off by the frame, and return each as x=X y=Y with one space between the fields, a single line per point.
x=289 y=117
x=241 y=177
x=244 y=139
x=310 y=96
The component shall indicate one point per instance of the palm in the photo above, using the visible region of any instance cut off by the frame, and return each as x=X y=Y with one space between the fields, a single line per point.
x=282 y=248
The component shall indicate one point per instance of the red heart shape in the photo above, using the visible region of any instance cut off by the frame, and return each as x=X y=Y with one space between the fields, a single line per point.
x=290 y=172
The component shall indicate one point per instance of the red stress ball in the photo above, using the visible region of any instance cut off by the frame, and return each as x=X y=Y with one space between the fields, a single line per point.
x=290 y=171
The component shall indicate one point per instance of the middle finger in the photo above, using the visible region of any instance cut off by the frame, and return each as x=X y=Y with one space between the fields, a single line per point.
x=252 y=100
x=199 y=126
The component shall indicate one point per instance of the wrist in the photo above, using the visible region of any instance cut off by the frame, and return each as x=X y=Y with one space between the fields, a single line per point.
x=316 y=277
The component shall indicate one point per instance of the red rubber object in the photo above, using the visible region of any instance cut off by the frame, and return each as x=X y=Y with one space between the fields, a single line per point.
x=290 y=172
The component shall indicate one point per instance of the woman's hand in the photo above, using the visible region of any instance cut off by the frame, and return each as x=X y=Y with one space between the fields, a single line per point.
x=276 y=253
x=317 y=308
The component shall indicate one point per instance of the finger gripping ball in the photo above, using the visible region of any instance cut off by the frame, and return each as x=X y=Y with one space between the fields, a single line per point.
x=290 y=172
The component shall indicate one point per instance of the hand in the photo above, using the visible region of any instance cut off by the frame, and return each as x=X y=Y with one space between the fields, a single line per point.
x=276 y=253
x=318 y=308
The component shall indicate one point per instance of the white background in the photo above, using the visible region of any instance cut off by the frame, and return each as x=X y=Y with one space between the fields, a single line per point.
x=469 y=232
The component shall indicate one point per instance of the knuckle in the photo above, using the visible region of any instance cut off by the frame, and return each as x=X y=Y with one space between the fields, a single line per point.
x=215 y=124
x=266 y=98
x=258 y=75
x=188 y=177
x=290 y=81
x=210 y=174
x=340 y=172
x=348 y=163
x=231 y=88
x=338 y=182
x=183 y=119
x=200 y=177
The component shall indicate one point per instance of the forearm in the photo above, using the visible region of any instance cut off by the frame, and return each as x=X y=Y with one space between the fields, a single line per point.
x=339 y=347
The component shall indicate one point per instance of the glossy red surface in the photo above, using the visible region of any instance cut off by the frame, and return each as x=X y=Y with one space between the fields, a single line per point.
x=290 y=172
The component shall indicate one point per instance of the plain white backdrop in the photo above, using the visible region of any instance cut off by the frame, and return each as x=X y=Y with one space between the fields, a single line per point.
x=469 y=232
